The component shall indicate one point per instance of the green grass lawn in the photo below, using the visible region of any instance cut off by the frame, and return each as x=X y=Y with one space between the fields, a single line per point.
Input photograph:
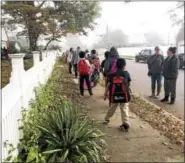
x=128 y=57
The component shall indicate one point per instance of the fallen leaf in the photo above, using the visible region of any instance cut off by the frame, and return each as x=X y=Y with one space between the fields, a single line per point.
x=127 y=138
x=141 y=126
x=164 y=143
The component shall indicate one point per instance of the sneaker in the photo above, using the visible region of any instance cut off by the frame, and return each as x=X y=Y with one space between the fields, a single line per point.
x=106 y=122
x=91 y=94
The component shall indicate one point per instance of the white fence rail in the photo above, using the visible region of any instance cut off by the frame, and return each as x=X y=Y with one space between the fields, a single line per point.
x=17 y=94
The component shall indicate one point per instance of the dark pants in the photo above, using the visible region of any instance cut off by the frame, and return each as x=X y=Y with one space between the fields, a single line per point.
x=70 y=68
x=82 y=79
x=170 y=88
x=156 y=79
x=75 y=70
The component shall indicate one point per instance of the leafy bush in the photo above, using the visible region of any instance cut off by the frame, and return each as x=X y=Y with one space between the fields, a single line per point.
x=65 y=136
x=12 y=47
x=54 y=130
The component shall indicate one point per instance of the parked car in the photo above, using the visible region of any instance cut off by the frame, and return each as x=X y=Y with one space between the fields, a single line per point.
x=144 y=55
x=182 y=60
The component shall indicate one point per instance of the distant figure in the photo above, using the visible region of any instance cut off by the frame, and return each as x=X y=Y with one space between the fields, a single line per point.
x=170 y=73
x=106 y=55
x=155 y=66
x=75 y=60
x=69 y=59
x=110 y=64
x=95 y=60
x=94 y=54
x=87 y=55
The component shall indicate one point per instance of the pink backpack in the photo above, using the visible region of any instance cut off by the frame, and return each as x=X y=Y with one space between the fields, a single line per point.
x=114 y=68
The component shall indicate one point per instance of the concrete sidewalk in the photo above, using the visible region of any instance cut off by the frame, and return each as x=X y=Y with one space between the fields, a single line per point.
x=141 y=144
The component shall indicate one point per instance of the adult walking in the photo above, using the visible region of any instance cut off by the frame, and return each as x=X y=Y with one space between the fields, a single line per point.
x=155 y=66
x=75 y=60
x=69 y=59
x=170 y=73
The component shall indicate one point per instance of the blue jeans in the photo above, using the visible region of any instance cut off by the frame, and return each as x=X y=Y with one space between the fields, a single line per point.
x=156 y=79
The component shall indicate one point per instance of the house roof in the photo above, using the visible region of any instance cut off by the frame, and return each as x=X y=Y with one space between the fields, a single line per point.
x=180 y=35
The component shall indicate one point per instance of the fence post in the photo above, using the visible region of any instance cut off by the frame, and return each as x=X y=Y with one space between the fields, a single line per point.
x=36 y=57
x=18 y=71
x=36 y=61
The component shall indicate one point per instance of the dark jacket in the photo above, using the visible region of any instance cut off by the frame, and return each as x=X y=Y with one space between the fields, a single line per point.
x=155 y=64
x=170 y=68
x=75 y=57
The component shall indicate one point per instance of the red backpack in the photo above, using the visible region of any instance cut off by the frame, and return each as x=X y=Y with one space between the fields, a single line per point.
x=83 y=67
x=119 y=90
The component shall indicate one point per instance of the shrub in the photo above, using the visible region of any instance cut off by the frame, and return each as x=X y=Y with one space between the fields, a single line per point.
x=66 y=136
x=12 y=47
x=54 y=130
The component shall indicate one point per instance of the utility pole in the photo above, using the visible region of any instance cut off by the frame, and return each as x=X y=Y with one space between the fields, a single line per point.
x=107 y=39
x=168 y=38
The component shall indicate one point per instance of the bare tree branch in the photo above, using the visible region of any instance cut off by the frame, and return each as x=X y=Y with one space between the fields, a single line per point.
x=41 y=4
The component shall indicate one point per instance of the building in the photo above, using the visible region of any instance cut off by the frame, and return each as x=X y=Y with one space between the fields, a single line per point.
x=180 y=41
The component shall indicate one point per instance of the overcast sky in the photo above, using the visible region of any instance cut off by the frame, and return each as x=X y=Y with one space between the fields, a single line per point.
x=134 y=19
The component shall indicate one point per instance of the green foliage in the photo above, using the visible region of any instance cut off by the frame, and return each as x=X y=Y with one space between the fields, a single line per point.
x=54 y=47
x=12 y=47
x=54 y=130
x=26 y=14
x=65 y=136
x=55 y=21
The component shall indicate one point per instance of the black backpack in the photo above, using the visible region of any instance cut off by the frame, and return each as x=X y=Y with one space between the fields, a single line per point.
x=119 y=91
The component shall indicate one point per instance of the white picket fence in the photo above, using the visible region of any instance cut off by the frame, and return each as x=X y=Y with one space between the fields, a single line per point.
x=17 y=94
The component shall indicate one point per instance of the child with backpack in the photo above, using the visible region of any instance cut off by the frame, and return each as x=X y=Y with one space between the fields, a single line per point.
x=84 y=69
x=119 y=94
x=95 y=59
x=102 y=67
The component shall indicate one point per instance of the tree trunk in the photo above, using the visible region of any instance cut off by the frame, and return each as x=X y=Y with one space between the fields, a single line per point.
x=48 y=44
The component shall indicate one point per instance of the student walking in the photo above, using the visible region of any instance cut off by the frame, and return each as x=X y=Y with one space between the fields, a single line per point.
x=84 y=69
x=75 y=61
x=110 y=64
x=119 y=94
x=170 y=73
x=69 y=59
x=102 y=67
x=155 y=66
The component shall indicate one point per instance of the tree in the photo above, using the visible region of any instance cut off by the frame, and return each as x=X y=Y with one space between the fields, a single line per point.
x=177 y=14
x=73 y=17
x=54 y=20
x=31 y=15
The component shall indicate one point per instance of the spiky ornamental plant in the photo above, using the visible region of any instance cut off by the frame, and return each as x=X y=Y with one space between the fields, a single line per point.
x=66 y=136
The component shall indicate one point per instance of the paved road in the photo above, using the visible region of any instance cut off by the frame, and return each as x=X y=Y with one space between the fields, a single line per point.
x=142 y=85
